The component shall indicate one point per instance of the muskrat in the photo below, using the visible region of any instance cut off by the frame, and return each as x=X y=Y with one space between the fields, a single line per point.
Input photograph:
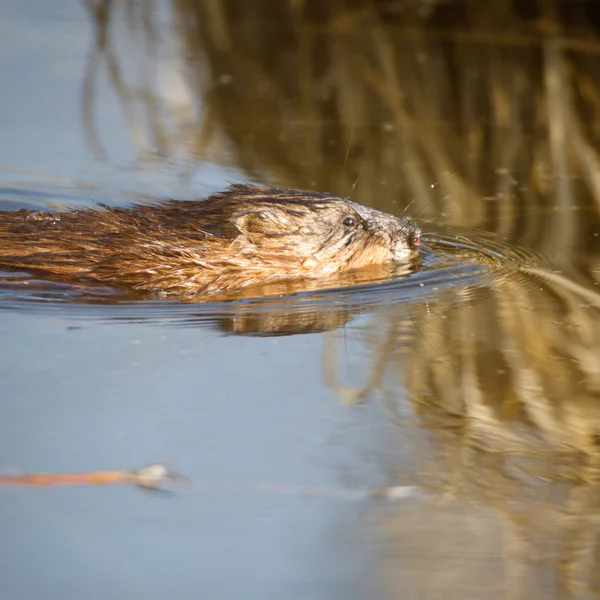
x=242 y=236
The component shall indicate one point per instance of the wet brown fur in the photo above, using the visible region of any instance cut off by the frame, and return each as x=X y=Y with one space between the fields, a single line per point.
x=243 y=236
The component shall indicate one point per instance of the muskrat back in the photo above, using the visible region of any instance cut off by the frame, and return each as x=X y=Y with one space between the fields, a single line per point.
x=245 y=235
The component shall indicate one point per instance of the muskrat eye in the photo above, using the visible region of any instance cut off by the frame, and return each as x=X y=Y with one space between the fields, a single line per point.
x=349 y=221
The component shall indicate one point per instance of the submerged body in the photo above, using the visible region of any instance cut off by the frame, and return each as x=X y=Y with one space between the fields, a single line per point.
x=246 y=235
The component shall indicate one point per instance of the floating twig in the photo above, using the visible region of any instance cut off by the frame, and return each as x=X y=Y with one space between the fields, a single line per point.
x=150 y=477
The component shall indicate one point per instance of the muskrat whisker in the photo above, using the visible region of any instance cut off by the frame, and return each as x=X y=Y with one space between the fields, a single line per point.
x=448 y=176
x=409 y=205
x=346 y=157
x=423 y=208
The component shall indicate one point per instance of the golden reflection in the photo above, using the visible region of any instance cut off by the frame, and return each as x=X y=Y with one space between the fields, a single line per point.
x=501 y=417
x=476 y=115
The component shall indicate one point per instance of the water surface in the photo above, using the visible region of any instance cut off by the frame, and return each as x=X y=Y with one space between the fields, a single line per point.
x=299 y=416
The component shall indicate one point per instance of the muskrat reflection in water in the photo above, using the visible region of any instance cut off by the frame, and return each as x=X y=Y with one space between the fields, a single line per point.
x=243 y=236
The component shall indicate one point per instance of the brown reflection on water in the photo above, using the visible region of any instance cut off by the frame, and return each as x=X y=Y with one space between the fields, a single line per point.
x=501 y=421
x=506 y=392
x=475 y=115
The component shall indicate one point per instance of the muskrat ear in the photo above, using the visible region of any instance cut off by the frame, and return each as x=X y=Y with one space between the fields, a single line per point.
x=261 y=221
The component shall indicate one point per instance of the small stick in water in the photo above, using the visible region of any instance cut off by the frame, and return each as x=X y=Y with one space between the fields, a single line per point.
x=150 y=477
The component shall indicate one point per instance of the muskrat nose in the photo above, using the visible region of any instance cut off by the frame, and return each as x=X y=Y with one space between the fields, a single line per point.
x=414 y=238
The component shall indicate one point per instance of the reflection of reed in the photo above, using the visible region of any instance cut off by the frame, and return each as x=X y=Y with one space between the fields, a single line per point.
x=154 y=121
x=526 y=352
x=508 y=388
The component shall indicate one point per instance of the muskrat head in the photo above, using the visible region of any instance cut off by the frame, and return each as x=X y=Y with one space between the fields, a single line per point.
x=318 y=233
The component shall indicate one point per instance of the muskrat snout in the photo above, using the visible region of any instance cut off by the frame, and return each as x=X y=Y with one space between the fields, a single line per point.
x=414 y=237
x=407 y=242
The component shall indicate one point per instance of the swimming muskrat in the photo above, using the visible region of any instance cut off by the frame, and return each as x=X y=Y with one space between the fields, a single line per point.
x=242 y=236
